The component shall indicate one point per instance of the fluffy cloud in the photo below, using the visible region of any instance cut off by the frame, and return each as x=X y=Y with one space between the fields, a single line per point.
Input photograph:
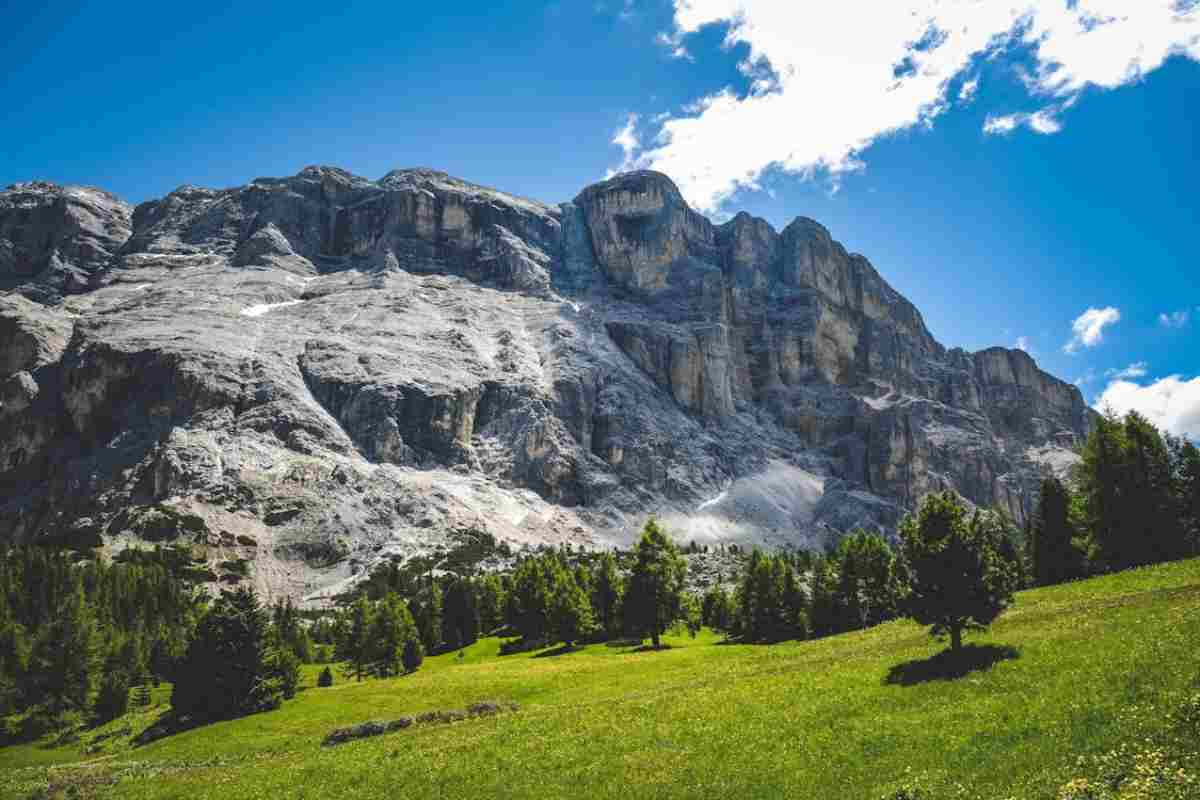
x=1043 y=121
x=824 y=85
x=1023 y=344
x=1088 y=328
x=626 y=138
x=1172 y=403
x=1176 y=319
x=1136 y=370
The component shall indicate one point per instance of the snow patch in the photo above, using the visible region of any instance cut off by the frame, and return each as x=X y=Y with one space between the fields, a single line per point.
x=263 y=308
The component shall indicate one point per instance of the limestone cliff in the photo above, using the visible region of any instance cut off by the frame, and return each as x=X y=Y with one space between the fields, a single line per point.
x=313 y=372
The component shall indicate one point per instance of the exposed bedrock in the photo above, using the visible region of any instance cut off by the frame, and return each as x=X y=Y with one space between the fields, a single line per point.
x=337 y=369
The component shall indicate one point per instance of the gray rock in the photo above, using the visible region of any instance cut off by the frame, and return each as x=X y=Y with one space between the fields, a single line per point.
x=338 y=370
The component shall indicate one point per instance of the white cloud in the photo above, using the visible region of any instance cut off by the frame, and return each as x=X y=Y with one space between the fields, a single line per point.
x=1088 y=328
x=1085 y=378
x=626 y=138
x=1045 y=121
x=1172 y=403
x=825 y=85
x=1023 y=344
x=968 y=90
x=1175 y=319
x=1137 y=369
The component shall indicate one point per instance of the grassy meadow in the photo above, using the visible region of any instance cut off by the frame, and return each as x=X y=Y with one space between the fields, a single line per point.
x=1070 y=672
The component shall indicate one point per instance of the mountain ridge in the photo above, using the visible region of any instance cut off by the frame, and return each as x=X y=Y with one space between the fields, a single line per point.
x=340 y=369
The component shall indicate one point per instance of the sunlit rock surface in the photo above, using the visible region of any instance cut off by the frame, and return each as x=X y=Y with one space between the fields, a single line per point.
x=318 y=371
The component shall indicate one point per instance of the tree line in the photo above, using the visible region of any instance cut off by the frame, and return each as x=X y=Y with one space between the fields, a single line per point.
x=1134 y=499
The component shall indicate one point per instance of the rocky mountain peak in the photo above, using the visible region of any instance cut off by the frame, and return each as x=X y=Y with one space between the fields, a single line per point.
x=337 y=369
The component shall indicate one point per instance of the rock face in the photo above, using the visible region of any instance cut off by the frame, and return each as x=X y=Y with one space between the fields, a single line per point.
x=314 y=372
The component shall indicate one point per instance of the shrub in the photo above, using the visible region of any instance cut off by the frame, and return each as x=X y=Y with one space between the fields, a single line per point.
x=325 y=679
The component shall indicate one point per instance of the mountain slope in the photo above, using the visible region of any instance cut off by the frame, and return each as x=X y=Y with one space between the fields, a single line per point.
x=333 y=369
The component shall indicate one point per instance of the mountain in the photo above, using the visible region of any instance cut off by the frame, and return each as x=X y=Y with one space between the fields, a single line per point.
x=311 y=373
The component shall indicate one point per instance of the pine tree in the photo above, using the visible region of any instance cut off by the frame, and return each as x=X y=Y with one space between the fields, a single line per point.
x=413 y=655
x=1053 y=556
x=428 y=616
x=460 y=613
x=959 y=581
x=232 y=665
x=656 y=584
x=607 y=590
x=392 y=627
x=354 y=644
x=489 y=591
x=570 y=612
x=64 y=666
x=112 y=701
x=865 y=593
x=528 y=607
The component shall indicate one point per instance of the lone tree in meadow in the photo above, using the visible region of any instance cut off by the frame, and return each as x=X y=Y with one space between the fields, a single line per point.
x=655 y=596
x=958 y=578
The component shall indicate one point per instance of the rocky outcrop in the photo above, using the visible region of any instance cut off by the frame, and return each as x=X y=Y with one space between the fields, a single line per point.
x=335 y=369
x=53 y=239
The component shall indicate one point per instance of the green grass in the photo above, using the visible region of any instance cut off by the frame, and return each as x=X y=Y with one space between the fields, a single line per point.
x=1098 y=661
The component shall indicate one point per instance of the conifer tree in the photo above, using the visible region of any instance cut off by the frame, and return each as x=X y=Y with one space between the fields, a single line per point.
x=64 y=666
x=232 y=665
x=607 y=590
x=959 y=581
x=413 y=655
x=656 y=584
x=354 y=644
x=1053 y=556
x=570 y=612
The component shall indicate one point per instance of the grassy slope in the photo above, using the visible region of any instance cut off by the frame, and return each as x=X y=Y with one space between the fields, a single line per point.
x=805 y=720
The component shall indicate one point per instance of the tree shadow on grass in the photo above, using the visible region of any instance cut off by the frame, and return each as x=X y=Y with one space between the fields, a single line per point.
x=649 y=648
x=561 y=650
x=948 y=665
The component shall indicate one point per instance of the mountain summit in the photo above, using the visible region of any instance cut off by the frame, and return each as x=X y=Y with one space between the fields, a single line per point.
x=315 y=372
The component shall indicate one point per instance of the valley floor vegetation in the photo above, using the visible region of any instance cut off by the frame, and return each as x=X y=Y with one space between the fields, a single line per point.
x=130 y=659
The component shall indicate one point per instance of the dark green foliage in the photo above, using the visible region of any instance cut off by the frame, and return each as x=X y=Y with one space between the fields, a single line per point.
x=413 y=655
x=1052 y=553
x=717 y=609
x=460 y=613
x=771 y=603
x=354 y=643
x=868 y=589
x=570 y=612
x=233 y=665
x=141 y=696
x=1129 y=488
x=391 y=629
x=325 y=679
x=64 y=664
x=528 y=606
x=427 y=613
x=608 y=588
x=653 y=600
x=958 y=579
x=113 y=698
x=489 y=593
x=290 y=630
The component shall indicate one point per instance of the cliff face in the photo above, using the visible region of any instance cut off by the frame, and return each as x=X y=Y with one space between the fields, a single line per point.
x=316 y=371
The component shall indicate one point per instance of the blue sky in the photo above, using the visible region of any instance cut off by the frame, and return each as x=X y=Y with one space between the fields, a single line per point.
x=1012 y=170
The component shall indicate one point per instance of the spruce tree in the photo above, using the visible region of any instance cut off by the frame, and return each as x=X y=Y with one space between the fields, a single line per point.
x=607 y=589
x=656 y=584
x=413 y=655
x=232 y=664
x=65 y=666
x=570 y=612
x=354 y=643
x=1053 y=556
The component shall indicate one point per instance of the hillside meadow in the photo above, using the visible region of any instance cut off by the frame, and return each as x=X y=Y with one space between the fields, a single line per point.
x=1072 y=680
